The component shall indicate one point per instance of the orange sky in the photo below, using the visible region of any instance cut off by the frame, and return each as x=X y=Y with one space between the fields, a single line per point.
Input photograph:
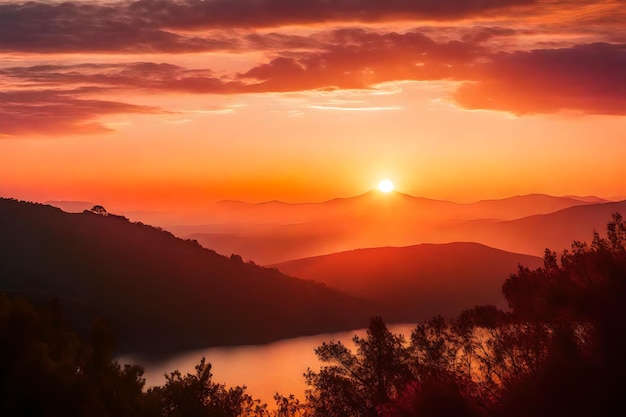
x=178 y=104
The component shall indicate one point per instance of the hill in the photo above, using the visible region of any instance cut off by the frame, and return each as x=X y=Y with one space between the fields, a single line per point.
x=533 y=234
x=369 y=220
x=374 y=202
x=417 y=282
x=158 y=292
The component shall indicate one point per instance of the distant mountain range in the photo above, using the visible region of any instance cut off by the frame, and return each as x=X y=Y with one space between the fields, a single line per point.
x=160 y=293
x=533 y=234
x=275 y=231
x=416 y=281
x=262 y=232
x=278 y=212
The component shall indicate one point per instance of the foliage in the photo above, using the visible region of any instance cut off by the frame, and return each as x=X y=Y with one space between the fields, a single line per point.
x=196 y=395
x=356 y=384
x=290 y=406
x=559 y=351
x=127 y=272
x=45 y=369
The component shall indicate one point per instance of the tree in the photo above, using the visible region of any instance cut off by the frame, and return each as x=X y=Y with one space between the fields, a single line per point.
x=99 y=210
x=46 y=369
x=356 y=384
x=289 y=406
x=198 y=396
x=580 y=307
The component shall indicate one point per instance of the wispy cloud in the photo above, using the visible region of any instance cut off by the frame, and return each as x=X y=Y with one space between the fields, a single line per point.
x=586 y=78
x=544 y=57
x=345 y=58
x=360 y=108
x=58 y=113
x=164 y=25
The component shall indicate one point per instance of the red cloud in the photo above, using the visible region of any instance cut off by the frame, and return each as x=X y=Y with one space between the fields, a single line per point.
x=150 y=25
x=588 y=78
x=136 y=76
x=75 y=27
x=355 y=58
x=57 y=113
x=345 y=58
x=267 y=13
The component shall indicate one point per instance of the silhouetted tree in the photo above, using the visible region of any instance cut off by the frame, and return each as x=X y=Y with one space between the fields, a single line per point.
x=581 y=307
x=558 y=352
x=441 y=398
x=45 y=369
x=356 y=384
x=197 y=395
x=99 y=210
x=290 y=406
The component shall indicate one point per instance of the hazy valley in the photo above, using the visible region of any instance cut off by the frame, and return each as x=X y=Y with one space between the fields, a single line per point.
x=401 y=262
x=170 y=301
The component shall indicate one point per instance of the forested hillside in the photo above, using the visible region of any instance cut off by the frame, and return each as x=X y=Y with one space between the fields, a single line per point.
x=158 y=292
x=558 y=352
x=415 y=282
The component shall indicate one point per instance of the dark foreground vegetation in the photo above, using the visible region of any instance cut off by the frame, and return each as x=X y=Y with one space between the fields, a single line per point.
x=559 y=351
x=159 y=293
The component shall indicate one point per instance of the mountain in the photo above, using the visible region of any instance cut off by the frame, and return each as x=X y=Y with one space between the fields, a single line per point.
x=533 y=234
x=416 y=282
x=158 y=292
x=373 y=219
x=278 y=212
x=525 y=205
x=589 y=198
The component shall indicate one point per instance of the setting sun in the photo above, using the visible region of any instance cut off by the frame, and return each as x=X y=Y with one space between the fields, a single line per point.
x=386 y=186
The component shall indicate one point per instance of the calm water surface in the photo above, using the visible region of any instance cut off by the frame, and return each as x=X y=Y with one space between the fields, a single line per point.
x=264 y=369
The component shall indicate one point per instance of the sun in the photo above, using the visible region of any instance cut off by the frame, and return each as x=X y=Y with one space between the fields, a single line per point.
x=386 y=186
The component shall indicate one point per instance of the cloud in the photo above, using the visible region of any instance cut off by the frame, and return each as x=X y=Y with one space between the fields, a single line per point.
x=268 y=13
x=345 y=58
x=587 y=78
x=163 y=25
x=146 y=76
x=356 y=58
x=482 y=34
x=89 y=27
x=57 y=113
x=353 y=108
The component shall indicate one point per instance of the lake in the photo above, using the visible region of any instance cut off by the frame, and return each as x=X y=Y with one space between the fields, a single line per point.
x=264 y=369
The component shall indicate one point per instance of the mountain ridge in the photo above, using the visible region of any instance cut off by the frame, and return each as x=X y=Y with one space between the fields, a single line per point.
x=417 y=280
x=587 y=198
x=160 y=293
x=379 y=221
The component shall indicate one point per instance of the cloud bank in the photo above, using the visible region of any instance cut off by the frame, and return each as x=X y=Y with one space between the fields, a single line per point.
x=535 y=56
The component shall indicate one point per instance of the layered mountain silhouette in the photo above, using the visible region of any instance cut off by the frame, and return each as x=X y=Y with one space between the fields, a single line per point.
x=162 y=293
x=533 y=234
x=276 y=232
x=158 y=292
x=418 y=281
x=278 y=212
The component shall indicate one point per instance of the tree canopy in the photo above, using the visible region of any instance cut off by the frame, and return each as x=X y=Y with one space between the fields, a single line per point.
x=558 y=351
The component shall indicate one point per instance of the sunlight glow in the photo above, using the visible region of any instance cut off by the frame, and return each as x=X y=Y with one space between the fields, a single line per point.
x=386 y=186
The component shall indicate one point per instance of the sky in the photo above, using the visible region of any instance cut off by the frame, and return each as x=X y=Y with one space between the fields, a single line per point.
x=176 y=104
